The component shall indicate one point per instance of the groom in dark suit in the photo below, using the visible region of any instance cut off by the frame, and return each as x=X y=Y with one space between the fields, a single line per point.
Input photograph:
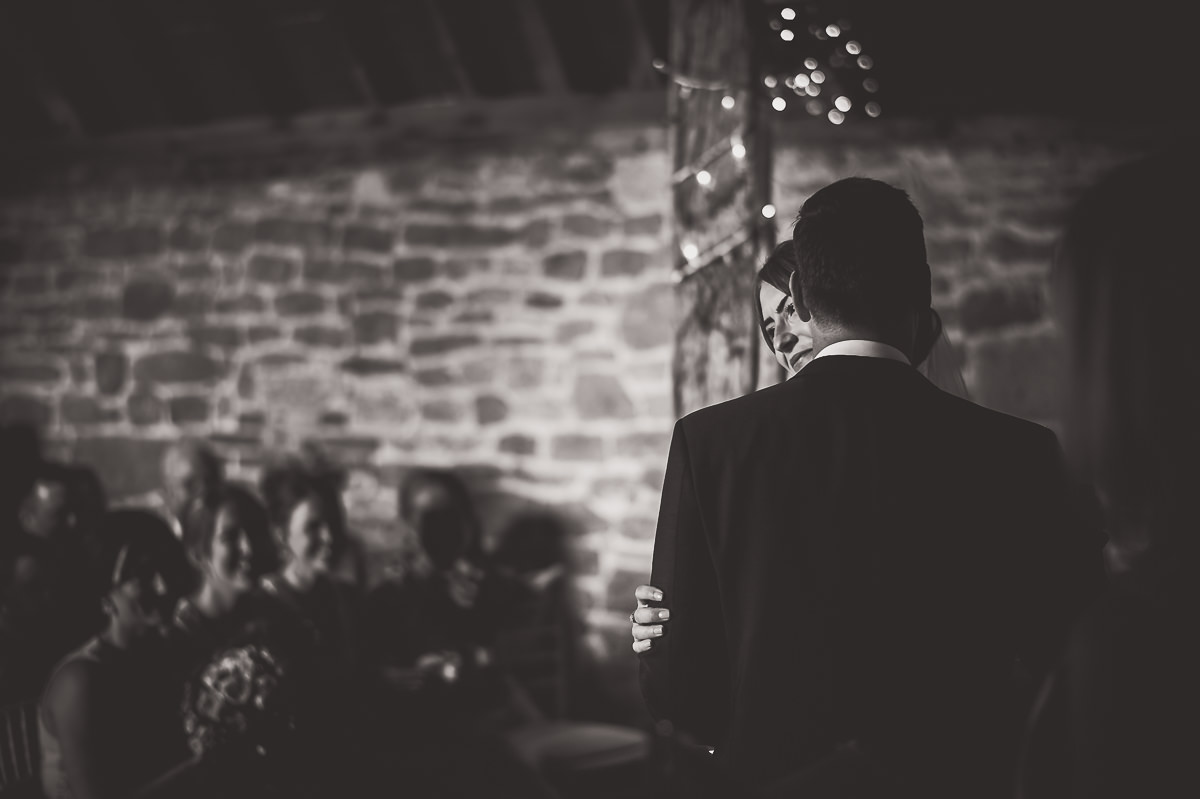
x=857 y=563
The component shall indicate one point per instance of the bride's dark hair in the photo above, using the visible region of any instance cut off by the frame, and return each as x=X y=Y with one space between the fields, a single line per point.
x=777 y=272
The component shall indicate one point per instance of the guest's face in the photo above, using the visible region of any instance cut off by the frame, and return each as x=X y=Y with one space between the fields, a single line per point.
x=233 y=559
x=183 y=481
x=783 y=329
x=142 y=605
x=309 y=536
x=45 y=513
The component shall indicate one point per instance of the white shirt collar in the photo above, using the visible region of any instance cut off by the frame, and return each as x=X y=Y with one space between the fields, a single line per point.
x=863 y=349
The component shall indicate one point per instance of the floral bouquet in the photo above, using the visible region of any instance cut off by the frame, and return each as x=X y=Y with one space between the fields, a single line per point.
x=238 y=701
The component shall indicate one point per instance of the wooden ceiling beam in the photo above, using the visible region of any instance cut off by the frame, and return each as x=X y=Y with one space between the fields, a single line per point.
x=547 y=64
x=449 y=50
x=249 y=31
x=642 y=74
x=30 y=68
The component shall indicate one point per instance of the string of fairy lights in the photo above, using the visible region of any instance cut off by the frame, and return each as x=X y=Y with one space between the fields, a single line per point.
x=823 y=68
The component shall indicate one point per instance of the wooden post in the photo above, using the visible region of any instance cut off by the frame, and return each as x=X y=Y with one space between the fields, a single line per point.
x=720 y=234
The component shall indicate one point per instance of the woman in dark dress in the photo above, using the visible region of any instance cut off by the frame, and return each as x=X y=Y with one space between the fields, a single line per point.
x=1119 y=716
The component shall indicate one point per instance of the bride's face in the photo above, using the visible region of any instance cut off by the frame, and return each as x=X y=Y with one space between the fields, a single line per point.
x=782 y=328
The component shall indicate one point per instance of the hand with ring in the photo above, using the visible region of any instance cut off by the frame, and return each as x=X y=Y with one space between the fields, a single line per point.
x=647 y=621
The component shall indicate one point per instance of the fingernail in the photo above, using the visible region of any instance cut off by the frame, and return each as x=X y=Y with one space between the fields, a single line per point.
x=664 y=614
x=656 y=629
x=657 y=596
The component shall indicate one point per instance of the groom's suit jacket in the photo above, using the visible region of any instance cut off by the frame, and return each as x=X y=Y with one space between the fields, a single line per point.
x=856 y=556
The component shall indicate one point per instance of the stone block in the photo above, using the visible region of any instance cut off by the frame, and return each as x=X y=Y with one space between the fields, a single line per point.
x=222 y=336
x=647 y=320
x=366 y=367
x=177 y=367
x=126 y=466
x=518 y=445
x=294 y=232
x=490 y=409
x=111 y=370
x=992 y=306
x=544 y=300
x=570 y=265
x=232 y=237
x=125 y=242
x=144 y=408
x=586 y=225
x=456 y=236
x=376 y=328
x=411 y=270
x=28 y=370
x=434 y=300
x=441 y=411
x=25 y=409
x=189 y=410
x=599 y=396
x=146 y=299
x=299 y=303
x=369 y=239
x=1011 y=248
x=320 y=336
x=649 y=225
x=186 y=238
x=577 y=447
x=623 y=263
x=438 y=345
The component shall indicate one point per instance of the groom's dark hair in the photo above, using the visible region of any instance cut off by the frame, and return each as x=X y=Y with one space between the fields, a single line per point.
x=860 y=247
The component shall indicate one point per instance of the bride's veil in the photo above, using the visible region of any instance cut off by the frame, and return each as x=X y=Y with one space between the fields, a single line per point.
x=942 y=367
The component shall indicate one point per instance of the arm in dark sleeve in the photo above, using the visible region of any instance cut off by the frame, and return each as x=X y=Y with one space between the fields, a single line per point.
x=1063 y=560
x=685 y=676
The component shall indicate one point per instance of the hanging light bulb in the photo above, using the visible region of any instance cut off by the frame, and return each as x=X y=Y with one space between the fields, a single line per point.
x=873 y=109
x=833 y=31
x=727 y=102
x=801 y=80
x=842 y=103
x=659 y=64
x=788 y=13
x=853 y=47
x=810 y=63
x=770 y=81
x=817 y=76
x=866 y=62
x=787 y=35
x=812 y=90
x=768 y=211
x=690 y=251
x=704 y=177
x=836 y=116
x=779 y=103
x=737 y=148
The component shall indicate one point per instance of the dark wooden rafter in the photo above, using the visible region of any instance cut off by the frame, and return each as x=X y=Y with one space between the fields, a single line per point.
x=373 y=52
x=642 y=74
x=449 y=50
x=249 y=30
x=33 y=73
x=546 y=62
x=150 y=48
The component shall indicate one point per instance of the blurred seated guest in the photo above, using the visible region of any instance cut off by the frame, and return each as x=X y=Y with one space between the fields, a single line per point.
x=47 y=582
x=192 y=474
x=20 y=453
x=1118 y=718
x=232 y=556
x=436 y=626
x=107 y=713
x=290 y=475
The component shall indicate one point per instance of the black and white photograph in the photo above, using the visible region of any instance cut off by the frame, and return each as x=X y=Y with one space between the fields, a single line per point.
x=599 y=399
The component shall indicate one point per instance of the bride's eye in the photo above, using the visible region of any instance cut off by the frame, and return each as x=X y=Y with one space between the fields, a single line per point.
x=789 y=309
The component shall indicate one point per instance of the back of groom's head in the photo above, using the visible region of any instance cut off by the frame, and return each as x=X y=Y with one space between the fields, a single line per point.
x=860 y=247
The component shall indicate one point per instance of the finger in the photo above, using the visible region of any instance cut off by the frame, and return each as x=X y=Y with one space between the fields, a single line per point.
x=643 y=631
x=648 y=593
x=642 y=646
x=651 y=615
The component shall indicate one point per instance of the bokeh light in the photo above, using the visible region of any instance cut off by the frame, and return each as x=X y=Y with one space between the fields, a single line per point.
x=853 y=47
x=770 y=81
x=690 y=251
x=787 y=35
x=812 y=90
x=801 y=80
x=704 y=177
x=842 y=103
x=727 y=102
x=871 y=85
x=779 y=103
x=836 y=116
x=768 y=211
x=788 y=13
x=817 y=76
x=866 y=62
x=833 y=31
x=737 y=148
x=810 y=63
x=873 y=109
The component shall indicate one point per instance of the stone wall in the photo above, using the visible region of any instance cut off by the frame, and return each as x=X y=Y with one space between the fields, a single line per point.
x=488 y=290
